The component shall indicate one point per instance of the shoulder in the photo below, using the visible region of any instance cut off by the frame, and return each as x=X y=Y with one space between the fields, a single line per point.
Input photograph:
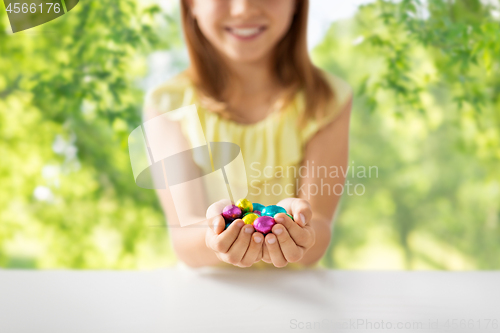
x=341 y=100
x=342 y=96
x=342 y=91
x=169 y=95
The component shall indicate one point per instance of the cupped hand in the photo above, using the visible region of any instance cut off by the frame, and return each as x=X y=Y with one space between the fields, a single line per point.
x=290 y=240
x=239 y=244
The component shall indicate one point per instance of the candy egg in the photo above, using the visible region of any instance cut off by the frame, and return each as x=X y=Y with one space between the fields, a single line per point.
x=273 y=210
x=231 y=212
x=245 y=205
x=250 y=218
x=264 y=224
x=257 y=212
x=258 y=206
x=290 y=216
x=227 y=225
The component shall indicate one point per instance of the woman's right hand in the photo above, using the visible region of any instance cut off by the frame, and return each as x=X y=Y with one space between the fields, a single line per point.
x=239 y=244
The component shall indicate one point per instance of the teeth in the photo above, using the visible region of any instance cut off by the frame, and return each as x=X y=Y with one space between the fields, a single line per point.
x=245 y=32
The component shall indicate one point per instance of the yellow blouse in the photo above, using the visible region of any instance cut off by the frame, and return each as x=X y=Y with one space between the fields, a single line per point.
x=272 y=149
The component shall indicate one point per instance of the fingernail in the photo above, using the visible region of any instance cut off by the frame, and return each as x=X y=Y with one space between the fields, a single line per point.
x=303 y=219
x=279 y=219
x=248 y=230
x=240 y=224
x=216 y=224
x=278 y=231
x=257 y=239
x=271 y=240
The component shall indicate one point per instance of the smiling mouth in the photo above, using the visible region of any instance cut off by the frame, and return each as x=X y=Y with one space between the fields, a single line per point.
x=246 y=33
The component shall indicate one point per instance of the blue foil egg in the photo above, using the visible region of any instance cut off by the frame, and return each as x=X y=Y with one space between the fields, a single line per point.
x=273 y=210
x=258 y=206
x=227 y=225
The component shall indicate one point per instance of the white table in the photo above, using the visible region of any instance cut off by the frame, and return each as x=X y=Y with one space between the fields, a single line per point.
x=242 y=300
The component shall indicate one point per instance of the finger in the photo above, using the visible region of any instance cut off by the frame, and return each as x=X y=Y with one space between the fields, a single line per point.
x=240 y=245
x=294 y=229
x=275 y=253
x=213 y=215
x=254 y=249
x=259 y=257
x=223 y=241
x=301 y=211
x=286 y=203
x=290 y=250
x=265 y=254
x=217 y=207
x=216 y=224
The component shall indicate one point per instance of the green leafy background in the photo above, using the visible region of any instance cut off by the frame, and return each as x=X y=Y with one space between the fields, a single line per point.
x=426 y=114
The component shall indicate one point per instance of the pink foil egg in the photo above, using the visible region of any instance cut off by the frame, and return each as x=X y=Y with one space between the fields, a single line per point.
x=231 y=212
x=264 y=224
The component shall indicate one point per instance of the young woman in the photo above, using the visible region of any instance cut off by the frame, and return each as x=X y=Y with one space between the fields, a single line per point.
x=254 y=85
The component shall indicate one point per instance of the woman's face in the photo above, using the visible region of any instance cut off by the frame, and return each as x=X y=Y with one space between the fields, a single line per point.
x=244 y=30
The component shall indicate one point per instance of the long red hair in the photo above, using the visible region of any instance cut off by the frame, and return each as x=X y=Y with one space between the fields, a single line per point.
x=292 y=64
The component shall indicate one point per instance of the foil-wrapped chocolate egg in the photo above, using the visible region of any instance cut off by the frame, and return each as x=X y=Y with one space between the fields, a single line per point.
x=257 y=212
x=258 y=206
x=290 y=216
x=231 y=213
x=227 y=225
x=273 y=210
x=250 y=218
x=245 y=205
x=264 y=224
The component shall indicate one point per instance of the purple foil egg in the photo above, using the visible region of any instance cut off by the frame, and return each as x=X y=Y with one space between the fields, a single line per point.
x=264 y=224
x=231 y=212
x=257 y=212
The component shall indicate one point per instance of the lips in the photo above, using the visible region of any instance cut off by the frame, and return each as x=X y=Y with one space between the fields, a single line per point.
x=245 y=32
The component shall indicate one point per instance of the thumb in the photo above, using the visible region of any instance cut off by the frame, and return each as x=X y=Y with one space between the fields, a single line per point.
x=216 y=208
x=215 y=220
x=217 y=224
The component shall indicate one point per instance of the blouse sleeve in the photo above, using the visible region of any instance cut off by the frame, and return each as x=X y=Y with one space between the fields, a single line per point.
x=342 y=95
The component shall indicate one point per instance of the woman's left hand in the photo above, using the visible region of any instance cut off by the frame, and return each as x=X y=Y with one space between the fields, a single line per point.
x=290 y=239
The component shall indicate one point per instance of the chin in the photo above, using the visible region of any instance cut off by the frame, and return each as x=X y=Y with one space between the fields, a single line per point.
x=247 y=56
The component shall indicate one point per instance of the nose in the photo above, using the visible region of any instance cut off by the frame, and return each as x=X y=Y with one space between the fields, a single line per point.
x=243 y=8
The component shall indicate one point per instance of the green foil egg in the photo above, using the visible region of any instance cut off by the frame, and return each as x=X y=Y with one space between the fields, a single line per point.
x=254 y=212
x=249 y=218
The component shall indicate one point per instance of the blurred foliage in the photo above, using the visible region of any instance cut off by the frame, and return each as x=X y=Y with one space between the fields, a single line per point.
x=426 y=114
x=69 y=98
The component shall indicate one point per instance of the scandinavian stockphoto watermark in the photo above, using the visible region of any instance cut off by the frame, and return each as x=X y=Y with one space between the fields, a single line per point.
x=28 y=14
x=329 y=179
x=451 y=325
x=198 y=173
